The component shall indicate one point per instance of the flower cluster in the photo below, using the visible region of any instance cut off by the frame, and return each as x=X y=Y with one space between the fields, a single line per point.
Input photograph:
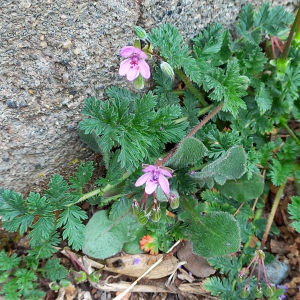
x=258 y=292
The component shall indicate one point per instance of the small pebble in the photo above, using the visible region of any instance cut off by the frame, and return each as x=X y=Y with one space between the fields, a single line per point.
x=67 y=44
x=43 y=44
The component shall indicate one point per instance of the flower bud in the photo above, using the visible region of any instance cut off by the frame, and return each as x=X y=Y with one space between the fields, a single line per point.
x=269 y=291
x=174 y=200
x=143 y=218
x=137 y=44
x=135 y=208
x=64 y=282
x=54 y=286
x=79 y=276
x=156 y=214
x=95 y=276
x=245 y=292
x=139 y=83
x=258 y=292
x=241 y=277
x=167 y=69
x=140 y=32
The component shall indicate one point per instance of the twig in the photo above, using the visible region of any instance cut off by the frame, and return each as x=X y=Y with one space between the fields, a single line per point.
x=119 y=297
x=272 y=214
x=238 y=210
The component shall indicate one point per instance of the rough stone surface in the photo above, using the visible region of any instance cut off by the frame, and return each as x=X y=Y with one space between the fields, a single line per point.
x=54 y=53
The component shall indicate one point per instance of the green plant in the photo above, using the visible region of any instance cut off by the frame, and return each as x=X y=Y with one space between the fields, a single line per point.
x=219 y=134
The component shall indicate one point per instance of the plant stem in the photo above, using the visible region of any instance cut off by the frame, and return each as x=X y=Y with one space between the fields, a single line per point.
x=192 y=132
x=272 y=214
x=176 y=92
x=205 y=110
x=290 y=38
x=291 y=133
x=100 y=192
x=189 y=84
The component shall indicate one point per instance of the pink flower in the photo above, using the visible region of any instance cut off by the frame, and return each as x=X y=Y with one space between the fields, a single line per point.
x=135 y=64
x=155 y=176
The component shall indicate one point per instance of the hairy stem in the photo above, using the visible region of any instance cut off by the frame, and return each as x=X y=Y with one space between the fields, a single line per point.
x=189 y=84
x=100 y=192
x=291 y=133
x=272 y=214
x=291 y=35
x=193 y=131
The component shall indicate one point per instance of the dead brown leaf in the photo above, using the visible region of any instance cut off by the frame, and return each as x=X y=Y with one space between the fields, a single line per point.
x=196 y=264
x=126 y=297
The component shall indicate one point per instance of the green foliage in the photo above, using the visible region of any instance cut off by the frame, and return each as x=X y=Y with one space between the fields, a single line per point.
x=207 y=231
x=269 y=21
x=104 y=237
x=189 y=152
x=54 y=270
x=227 y=86
x=279 y=173
x=294 y=211
x=216 y=287
x=243 y=189
x=226 y=265
x=232 y=165
x=8 y=263
x=134 y=123
x=71 y=220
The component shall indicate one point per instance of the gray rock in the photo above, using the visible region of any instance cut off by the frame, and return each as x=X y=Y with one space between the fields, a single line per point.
x=277 y=271
x=42 y=41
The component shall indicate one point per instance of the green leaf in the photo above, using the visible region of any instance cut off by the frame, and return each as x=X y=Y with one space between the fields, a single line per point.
x=45 y=249
x=119 y=208
x=11 y=290
x=243 y=189
x=189 y=152
x=294 y=211
x=82 y=176
x=104 y=237
x=54 y=270
x=25 y=279
x=57 y=191
x=232 y=165
x=227 y=86
x=272 y=21
x=15 y=212
x=216 y=287
x=279 y=173
x=8 y=262
x=227 y=265
x=71 y=220
x=42 y=229
x=263 y=98
x=133 y=246
x=213 y=234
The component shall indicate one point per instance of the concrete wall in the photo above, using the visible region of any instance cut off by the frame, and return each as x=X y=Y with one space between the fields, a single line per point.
x=54 y=53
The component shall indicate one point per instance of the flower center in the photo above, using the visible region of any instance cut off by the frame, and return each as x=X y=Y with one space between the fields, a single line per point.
x=134 y=61
x=155 y=176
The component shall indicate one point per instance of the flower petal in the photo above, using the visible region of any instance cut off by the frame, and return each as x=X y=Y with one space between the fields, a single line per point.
x=128 y=51
x=165 y=172
x=149 y=168
x=132 y=73
x=144 y=69
x=150 y=186
x=141 y=180
x=164 y=184
x=124 y=66
x=141 y=53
